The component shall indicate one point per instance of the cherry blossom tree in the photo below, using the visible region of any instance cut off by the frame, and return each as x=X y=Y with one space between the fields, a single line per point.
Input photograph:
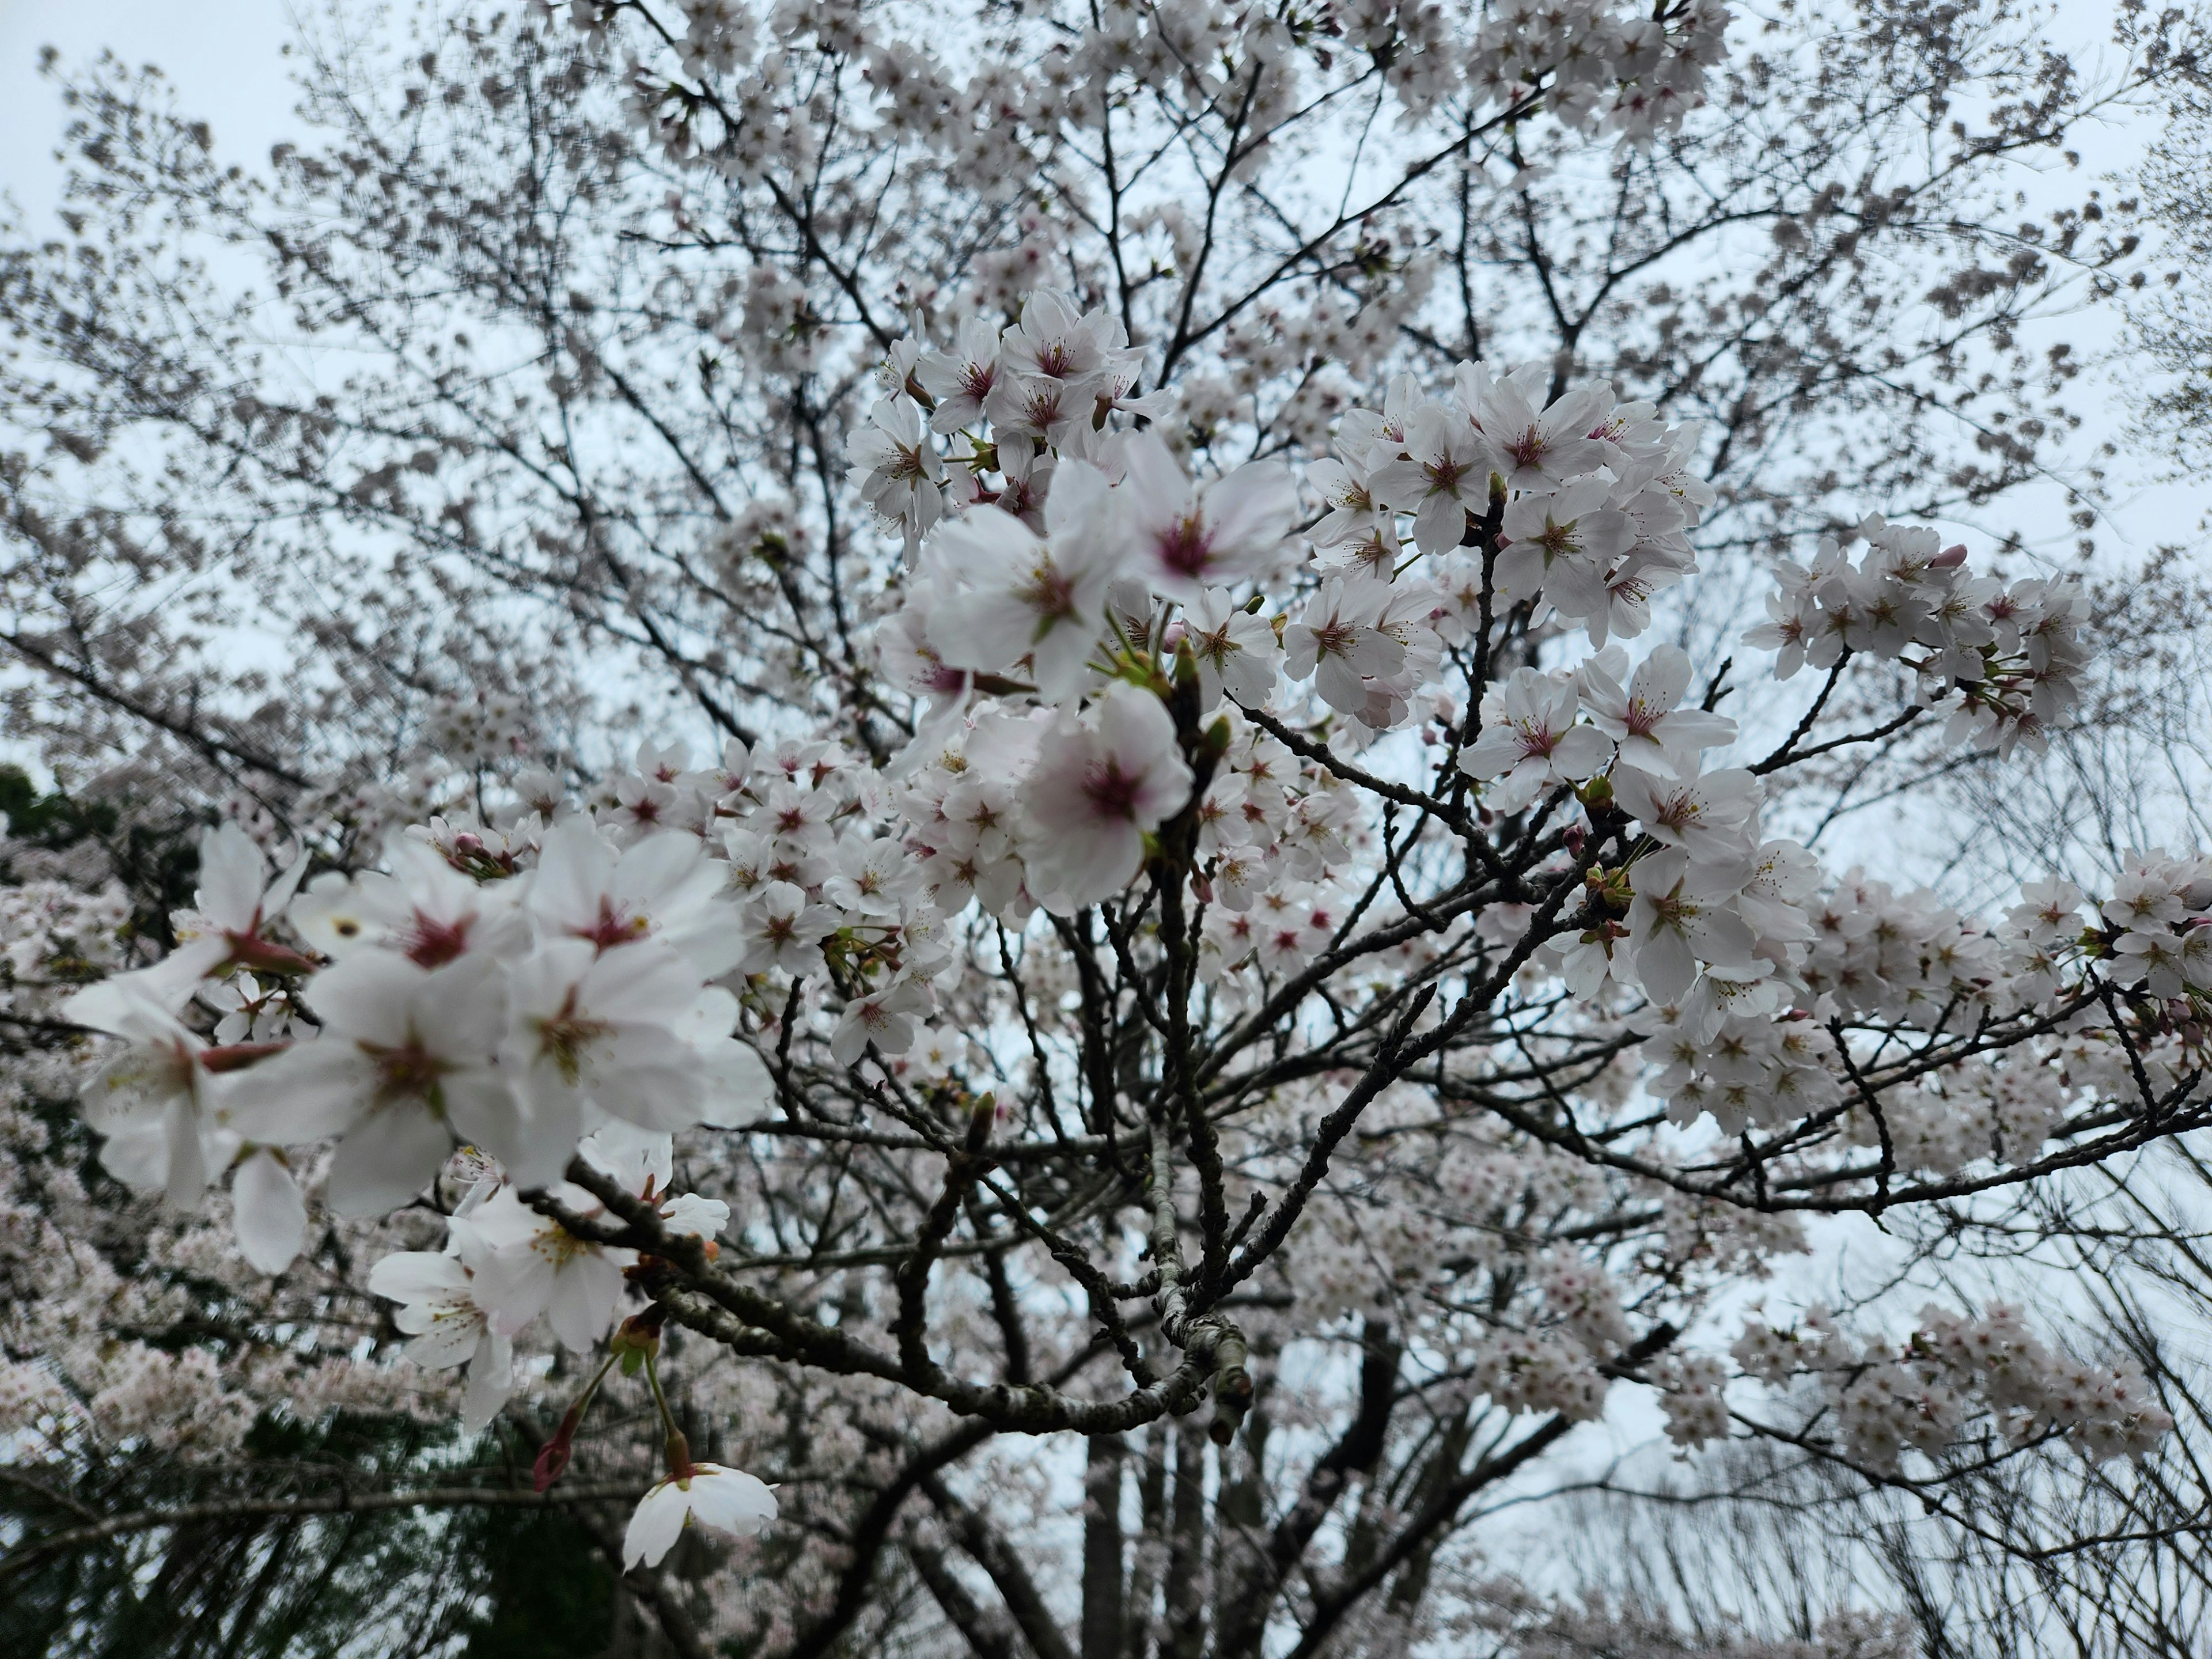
x=1037 y=804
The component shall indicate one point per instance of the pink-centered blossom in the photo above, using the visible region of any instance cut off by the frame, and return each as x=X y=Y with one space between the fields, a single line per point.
x=1530 y=740
x=1189 y=536
x=1100 y=781
x=1655 y=733
x=404 y=1067
x=1024 y=598
x=1443 y=476
x=1237 y=651
x=897 y=469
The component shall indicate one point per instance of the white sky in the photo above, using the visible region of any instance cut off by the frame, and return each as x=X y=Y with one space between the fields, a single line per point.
x=224 y=56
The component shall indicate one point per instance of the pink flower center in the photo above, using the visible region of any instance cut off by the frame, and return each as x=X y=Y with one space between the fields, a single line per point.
x=1335 y=638
x=408 y=1072
x=612 y=926
x=1443 y=476
x=433 y=943
x=1185 y=547
x=1529 y=449
x=1112 y=792
x=1048 y=592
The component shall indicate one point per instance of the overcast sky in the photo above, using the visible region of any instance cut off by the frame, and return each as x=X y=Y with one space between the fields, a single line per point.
x=225 y=56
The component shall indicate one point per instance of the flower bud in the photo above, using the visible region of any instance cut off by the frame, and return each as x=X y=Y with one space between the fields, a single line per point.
x=553 y=1456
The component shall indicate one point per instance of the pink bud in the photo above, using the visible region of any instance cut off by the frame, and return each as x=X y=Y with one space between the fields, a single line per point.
x=1949 y=559
x=552 y=1459
x=553 y=1456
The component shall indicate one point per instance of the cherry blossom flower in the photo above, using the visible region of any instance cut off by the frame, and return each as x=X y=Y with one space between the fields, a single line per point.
x=440 y=1310
x=874 y=878
x=2150 y=957
x=1337 y=641
x=608 y=1030
x=1725 y=991
x=1054 y=339
x=1653 y=733
x=781 y=929
x=960 y=379
x=425 y=910
x=1029 y=413
x=531 y=1264
x=1444 y=476
x=1562 y=546
x=884 y=1016
x=1354 y=513
x=252 y=1012
x=664 y=888
x=1101 y=783
x=1706 y=815
x=1041 y=600
x=154 y=1100
x=1189 y=536
x=1237 y=651
x=1681 y=918
x=1793 y=621
x=1530 y=740
x=799 y=818
x=897 y=471
x=1537 y=454
x=2049 y=911
x=728 y=1500
x=231 y=907
x=404 y=1061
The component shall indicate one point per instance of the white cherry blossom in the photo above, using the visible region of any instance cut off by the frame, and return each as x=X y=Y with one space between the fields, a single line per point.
x=1530 y=740
x=1653 y=732
x=728 y=1500
x=1189 y=538
x=1027 y=599
x=1103 y=780
x=403 y=1066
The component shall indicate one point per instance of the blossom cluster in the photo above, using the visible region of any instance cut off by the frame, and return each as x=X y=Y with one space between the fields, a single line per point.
x=516 y=1013
x=1920 y=1395
x=1595 y=66
x=2001 y=661
x=504 y=1263
x=54 y=935
x=1871 y=962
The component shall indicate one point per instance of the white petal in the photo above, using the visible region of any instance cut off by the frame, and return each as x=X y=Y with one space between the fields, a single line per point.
x=656 y=1526
x=452 y=1338
x=491 y=1380
x=312 y=1090
x=386 y=1159
x=416 y=1276
x=187 y=1173
x=585 y=1292
x=730 y=1500
x=460 y=1009
x=230 y=878
x=512 y=1286
x=268 y=1211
